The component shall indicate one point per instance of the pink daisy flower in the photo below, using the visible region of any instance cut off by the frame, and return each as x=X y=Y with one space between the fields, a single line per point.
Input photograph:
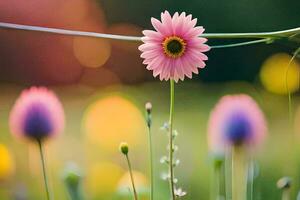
x=37 y=114
x=175 y=49
x=236 y=120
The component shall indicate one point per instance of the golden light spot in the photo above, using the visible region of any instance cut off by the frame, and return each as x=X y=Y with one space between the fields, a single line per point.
x=6 y=163
x=102 y=178
x=73 y=11
x=174 y=46
x=91 y=52
x=99 y=77
x=112 y=120
x=140 y=180
x=141 y=184
x=276 y=71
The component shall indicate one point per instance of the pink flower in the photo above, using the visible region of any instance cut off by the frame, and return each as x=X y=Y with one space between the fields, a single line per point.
x=236 y=120
x=175 y=49
x=37 y=114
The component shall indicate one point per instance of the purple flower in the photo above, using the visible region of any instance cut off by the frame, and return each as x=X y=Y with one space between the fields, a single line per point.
x=37 y=114
x=236 y=120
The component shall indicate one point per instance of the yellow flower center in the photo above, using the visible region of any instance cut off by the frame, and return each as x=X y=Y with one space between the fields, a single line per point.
x=174 y=46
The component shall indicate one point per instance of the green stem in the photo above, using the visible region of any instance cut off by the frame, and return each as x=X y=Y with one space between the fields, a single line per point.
x=239 y=174
x=49 y=197
x=171 y=148
x=272 y=34
x=75 y=193
x=286 y=194
x=265 y=40
x=227 y=174
x=131 y=177
x=251 y=180
x=218 y=182
x=287 y=86
x=151 y=164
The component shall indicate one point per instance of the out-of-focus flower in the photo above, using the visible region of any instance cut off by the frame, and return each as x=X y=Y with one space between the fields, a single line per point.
x=6 y=163
x=37 y=114
x=175 y=49
x=236 y=120
x=73 y=178
x=284 y=183
x=180 y=193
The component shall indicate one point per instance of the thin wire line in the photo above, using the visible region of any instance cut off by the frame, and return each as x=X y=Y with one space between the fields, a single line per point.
x=68 y=32
x=274 y=34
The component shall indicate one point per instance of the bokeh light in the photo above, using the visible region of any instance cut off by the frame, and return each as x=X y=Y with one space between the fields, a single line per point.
x=141 y=184
x=128 y=66
x=6 y=163
x=102 y=179
x=276 y=74
x=91 y=52
x=114 y=119
x=41 y=58
x=99 y=77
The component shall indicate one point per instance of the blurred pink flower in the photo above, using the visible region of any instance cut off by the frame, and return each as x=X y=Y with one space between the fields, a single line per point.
x=236 y=120
x=175 y=49
x=37 y=114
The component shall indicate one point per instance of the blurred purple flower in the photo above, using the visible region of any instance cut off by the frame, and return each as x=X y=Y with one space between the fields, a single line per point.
x=37 y=114
x=236 y=120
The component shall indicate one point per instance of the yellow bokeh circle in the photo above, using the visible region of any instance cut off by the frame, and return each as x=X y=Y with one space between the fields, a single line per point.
x=91 y=52
x=279 y=74
x=6 y=163
x=102 y=178
x=141 y=184
x=112 y=120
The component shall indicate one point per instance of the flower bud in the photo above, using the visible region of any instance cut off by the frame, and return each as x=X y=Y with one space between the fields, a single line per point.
x=72 y=175
x=148 y=107
x=73 y=179
x=284 y=183
x=124 y=148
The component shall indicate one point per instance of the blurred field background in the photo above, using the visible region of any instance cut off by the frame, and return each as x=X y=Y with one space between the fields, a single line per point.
x=103 y=87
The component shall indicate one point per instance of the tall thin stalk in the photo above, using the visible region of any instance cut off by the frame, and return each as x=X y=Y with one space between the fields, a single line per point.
x=285 y=195
x=171 y=145
x=239 y=174
x=151 y=163
x=131 y=177
x=287 y=86
x=49 y=196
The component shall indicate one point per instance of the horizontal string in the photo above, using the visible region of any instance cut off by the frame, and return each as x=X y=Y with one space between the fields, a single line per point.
x=264 y=36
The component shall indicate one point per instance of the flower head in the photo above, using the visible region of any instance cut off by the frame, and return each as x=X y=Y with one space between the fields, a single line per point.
x=236 y=120
x=174 y=49
x=37 y=114
x=124 y=148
